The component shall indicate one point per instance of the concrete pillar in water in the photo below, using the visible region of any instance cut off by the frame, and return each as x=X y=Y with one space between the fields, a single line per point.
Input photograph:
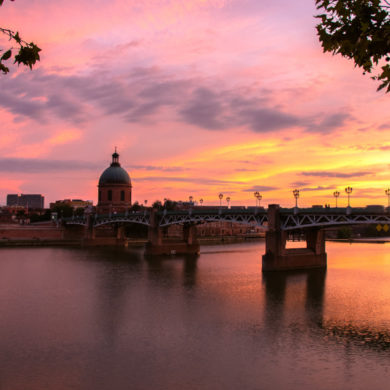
x=278 y=258
x=154 y=231
x=120 y=232
x=157 y=246
x=190 y=234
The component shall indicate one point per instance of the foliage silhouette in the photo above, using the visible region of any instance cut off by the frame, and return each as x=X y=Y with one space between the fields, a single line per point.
x=358 y=30
x=24 y=53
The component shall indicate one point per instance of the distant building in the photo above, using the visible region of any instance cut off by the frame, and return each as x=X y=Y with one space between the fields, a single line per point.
x=114 y=194
x=32 y=201
x=74 y=203
x=12 y=200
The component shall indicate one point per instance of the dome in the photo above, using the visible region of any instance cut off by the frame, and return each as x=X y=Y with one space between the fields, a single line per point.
x=115 y=174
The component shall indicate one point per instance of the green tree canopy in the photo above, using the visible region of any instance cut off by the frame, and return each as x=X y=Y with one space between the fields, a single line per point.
x=358 y=30
x=24 y=53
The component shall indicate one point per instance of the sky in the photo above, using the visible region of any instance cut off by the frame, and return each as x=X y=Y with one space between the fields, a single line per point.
x=200 y=97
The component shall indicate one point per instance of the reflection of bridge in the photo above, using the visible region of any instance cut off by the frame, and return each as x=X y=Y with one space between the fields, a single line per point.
x=277 y=221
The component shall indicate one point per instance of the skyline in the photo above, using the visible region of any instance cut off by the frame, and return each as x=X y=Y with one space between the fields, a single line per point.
x=200 y=97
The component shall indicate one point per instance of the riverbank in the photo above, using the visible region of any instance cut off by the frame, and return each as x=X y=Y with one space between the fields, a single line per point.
x=375 y=240
x=37 y=242
x=129 y=242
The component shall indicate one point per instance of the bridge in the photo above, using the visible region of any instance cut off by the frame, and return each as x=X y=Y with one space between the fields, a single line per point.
x=277 y=222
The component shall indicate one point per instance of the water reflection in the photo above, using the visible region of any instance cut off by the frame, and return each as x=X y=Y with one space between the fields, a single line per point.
x=278 y=308
x=97 y=319
x=288 y=294
x=165 y=271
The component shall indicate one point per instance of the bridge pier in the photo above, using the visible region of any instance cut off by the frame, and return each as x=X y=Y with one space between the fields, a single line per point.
x=156 y=245
x=278 y=258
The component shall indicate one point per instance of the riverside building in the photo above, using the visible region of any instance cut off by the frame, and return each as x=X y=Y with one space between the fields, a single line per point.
x=114 y=189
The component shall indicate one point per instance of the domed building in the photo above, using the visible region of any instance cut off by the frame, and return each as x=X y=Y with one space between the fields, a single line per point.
x=114 y=188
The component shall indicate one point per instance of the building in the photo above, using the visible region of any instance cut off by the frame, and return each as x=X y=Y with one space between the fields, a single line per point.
x=12 y=200
x=32 y=201
x=74 y=203
x=114 y=189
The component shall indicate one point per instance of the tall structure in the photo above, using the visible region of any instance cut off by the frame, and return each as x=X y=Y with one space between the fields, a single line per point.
x=114 y=189
x=33 y=201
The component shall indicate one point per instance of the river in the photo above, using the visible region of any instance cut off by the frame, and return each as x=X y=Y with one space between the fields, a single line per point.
x=110 y=319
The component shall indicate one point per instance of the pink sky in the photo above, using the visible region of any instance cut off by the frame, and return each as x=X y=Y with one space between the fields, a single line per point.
x=199 y=96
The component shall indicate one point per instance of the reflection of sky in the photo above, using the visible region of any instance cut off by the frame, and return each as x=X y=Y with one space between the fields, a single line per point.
x=100 y=318
x=201 y=97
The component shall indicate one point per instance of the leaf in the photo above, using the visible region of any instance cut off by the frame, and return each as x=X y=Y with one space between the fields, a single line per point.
x=17 y=38
x=28 y=55
x=3 y=68
x=6 y=55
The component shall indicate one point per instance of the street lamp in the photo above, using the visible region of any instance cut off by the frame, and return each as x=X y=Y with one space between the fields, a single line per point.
x=259 y=197
x=256 y=195
x=220 y=196
x=348 y=190
x=387 y=192
x=336 y=194
x=296 y=196
x=228 y=201
x=201 y=201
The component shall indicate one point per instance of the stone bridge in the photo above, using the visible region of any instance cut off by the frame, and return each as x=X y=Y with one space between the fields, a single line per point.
x=277 y=222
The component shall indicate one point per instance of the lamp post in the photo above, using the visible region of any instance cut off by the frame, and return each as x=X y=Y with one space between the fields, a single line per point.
x=220 y=196
x=259 y=197
x=228 y=201
x=387 y=192
x=348 y=190
x=296 y=196
x=201 y=201
x=336 y=194
x=256 y=194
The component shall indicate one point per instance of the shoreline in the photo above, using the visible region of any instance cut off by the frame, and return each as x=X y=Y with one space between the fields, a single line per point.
x=136 y=243
x=366 y=240
x=129 y=243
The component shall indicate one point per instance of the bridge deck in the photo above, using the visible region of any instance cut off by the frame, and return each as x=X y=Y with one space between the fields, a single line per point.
x=290 y=218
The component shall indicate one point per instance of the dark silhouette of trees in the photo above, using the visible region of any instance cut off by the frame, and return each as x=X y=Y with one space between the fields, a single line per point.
x=24 y=53
x=358 y=30
x=136 y=206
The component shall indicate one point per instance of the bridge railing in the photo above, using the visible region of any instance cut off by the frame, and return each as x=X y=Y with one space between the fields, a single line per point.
x=370 y=210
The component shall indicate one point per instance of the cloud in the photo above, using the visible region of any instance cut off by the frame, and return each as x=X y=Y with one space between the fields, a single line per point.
x=29 y=165
x=246 y=170
x=220 y=109
x=261 y=188
x=329 y=123
x=384 y=126
x=140 y=95
x=206 y=110
x=197 y=180
x=299 y=183
x=158 y=168
x=337 y=174
x=262 y=120
x=318 y=188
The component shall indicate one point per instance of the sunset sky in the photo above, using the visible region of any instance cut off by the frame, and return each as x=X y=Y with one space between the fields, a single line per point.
x=199 y=96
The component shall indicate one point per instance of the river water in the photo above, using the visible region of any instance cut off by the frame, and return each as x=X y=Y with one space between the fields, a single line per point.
x=110 y=319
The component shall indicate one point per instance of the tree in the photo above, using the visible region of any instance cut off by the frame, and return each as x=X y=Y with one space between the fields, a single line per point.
x=25 y=53
x=157 y=205
x=358 y=30
x=63 y=210
x=136 y=206
x=170 y=204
